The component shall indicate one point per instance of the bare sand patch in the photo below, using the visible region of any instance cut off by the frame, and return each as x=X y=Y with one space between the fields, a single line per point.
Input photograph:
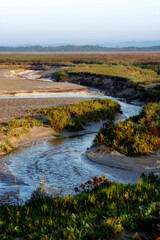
x=36 y=134
x=118 y=160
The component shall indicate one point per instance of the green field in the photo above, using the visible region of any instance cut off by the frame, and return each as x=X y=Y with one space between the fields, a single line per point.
x=132 y=73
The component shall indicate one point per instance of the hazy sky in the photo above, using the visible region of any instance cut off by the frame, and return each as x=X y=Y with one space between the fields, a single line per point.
x=78 y=21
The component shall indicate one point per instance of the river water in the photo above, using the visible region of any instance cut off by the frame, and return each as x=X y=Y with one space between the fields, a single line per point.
x=62 y=162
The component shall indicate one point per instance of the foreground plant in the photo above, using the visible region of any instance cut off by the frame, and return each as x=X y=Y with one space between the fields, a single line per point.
x=104 y=210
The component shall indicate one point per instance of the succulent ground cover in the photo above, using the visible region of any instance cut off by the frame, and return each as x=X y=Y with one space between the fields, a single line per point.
x=103 y=210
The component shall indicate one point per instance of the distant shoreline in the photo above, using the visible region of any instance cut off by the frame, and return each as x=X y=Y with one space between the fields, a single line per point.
x=52 y=53
x=77 y=49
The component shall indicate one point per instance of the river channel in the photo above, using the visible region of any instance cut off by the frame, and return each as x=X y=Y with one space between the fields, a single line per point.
x=61 y=162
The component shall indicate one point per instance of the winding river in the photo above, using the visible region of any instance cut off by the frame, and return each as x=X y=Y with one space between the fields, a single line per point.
x=62 y=162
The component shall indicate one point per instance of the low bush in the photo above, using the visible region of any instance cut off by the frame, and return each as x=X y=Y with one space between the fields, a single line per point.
x=4 y=148
x=134 y=138
x=60 y=76
x=27 y=123
x=152 y=95
x=74 y=116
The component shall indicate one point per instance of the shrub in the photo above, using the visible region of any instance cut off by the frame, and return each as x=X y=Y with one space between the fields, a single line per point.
x=60 y=76
x=152 y=95
x=131 y=138
x=4 y=148
x=74 y=116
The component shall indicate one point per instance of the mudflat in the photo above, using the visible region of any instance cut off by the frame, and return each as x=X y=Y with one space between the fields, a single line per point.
x=12 y=84
x=15 y=84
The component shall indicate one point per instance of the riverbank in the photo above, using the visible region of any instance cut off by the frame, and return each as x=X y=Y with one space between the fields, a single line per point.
x=64 y=157
x=20 y=106
x=112 y=86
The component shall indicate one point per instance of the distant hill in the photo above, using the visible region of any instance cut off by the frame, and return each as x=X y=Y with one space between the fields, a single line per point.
x=75 y=48
x=132 y=44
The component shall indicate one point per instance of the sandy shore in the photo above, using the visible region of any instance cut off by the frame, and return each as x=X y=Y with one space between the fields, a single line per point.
x=35 y=135
x=12 y=83
x=118 y=160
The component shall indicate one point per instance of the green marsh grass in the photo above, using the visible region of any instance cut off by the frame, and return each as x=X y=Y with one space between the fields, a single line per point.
x=134 y=74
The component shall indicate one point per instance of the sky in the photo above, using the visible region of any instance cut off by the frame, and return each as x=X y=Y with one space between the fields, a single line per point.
x=78 y=21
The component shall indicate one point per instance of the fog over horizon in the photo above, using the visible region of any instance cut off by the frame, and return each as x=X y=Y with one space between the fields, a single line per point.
x=90 y=22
